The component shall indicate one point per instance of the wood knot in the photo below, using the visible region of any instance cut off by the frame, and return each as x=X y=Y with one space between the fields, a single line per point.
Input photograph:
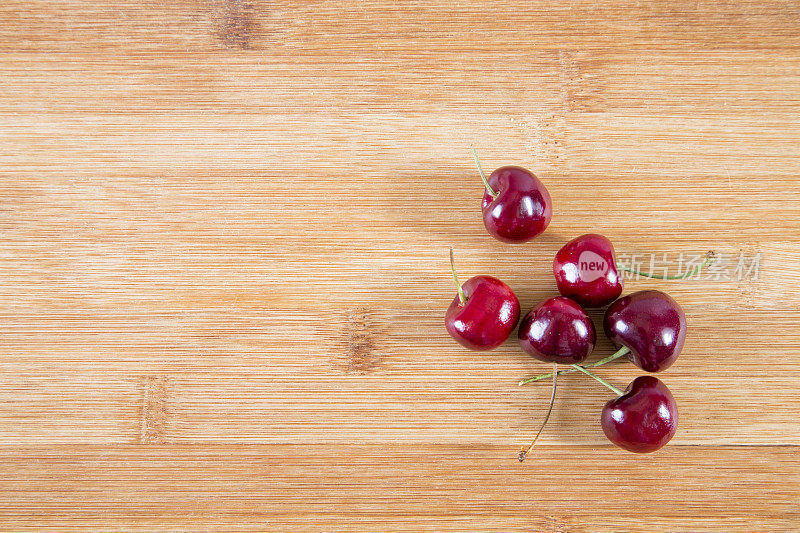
x=360 y=337
x=555 y=525
x=579 y=90
x=235 y=22
x=154 y=412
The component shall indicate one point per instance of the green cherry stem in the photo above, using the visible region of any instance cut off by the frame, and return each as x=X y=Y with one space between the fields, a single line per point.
x=619 y=353
x=461 y=297
x=710 y=256
x=599 y=379
x=489 y=189
x=527 y=450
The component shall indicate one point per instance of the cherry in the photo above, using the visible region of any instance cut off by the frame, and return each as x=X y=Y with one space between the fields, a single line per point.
x=557 y=330
x=651 y=325
x=586 y=270
x=516 y=205
x=643 y=419
x=484 y=312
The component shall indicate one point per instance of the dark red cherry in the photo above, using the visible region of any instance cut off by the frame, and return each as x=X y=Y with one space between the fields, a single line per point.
x=643 y=419
x=649 y=323
x=488 y=315
x=557 y=330
x=518 y=206
x=586 y=271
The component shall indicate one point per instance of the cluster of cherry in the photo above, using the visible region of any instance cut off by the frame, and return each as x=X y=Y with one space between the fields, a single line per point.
x=649 y=327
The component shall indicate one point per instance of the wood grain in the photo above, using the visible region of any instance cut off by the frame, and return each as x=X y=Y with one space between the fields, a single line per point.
x=223 y=265
x=257 y=487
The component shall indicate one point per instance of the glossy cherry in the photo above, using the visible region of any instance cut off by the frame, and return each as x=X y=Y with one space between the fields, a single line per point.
x=483 y=314
x=586 y=270
x=643 y=419
x=557 y=330
x=516 y=205
x=651 y=325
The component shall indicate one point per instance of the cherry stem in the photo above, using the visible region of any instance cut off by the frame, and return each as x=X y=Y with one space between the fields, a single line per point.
x=527 y=450
x=489 y=189
x=599 y=379
x=461 y=297
x=710 y=256
x=619 y=353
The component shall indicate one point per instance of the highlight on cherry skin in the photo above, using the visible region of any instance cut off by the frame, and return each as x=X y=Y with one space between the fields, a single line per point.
x=643 y=419
x=557 y=330
x=516 y=205
x=483 y=313
x=586 y=270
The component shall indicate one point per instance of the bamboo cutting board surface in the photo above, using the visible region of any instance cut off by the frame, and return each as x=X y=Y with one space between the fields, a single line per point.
x=223 y=266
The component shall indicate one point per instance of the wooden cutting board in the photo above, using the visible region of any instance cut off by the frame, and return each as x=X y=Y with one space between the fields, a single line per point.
x=223 y=261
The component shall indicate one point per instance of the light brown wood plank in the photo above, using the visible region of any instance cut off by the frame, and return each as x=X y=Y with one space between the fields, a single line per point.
x=330 y=27
x=372 y=380
x=355 y=487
